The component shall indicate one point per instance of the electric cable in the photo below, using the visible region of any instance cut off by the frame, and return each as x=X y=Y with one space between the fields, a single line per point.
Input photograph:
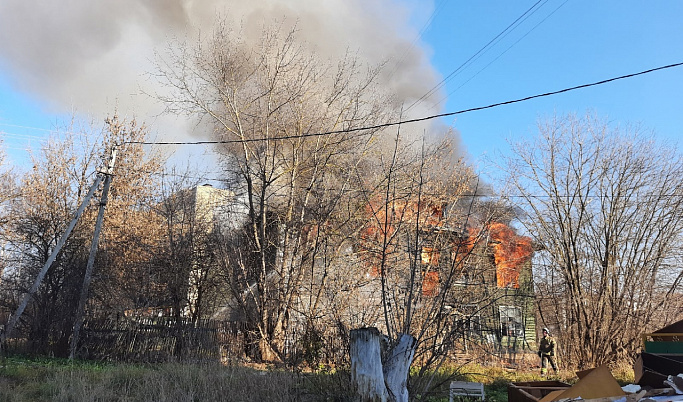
x=500 y=55
x=415 y=120
x=481 y=51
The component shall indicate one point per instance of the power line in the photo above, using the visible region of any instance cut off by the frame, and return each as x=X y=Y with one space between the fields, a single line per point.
x=11 y=136
x=199 y=178
x=27 y=127
x=54 y=131
x=416 y=120
x=502 y=53
x=480 y=52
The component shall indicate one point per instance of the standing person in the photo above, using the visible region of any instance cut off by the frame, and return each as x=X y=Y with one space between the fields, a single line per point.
x=546 y=351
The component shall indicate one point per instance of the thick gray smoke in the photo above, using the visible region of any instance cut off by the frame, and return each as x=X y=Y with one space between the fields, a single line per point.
x=94 y=56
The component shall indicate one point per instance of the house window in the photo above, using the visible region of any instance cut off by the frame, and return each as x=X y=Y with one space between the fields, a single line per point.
x=511 y=321
x=474 y=325
x=470 y=320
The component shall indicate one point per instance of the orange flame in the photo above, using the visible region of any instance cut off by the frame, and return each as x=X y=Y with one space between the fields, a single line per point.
x=510 y=252
x=383 y=222
x=430 y=283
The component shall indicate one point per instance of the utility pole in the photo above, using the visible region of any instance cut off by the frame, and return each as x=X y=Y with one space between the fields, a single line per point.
x=12 y=322
x=103 y=174
x=107 y=172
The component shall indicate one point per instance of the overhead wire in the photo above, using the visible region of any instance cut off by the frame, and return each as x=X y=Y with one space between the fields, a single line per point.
x=501 y=54
x=53 y=130
x=218 y=179
x=530 y=11
x=11 y=134
x=26 y=127
x=415 y=120
x=11 y=138
x=17 y=141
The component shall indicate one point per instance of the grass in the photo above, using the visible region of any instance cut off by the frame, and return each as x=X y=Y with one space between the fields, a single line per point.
x=60 y=380
x=26 y=380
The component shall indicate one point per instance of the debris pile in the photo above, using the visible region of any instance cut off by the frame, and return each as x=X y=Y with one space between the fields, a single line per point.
x=658 y=375
x=595 y=385
x=662 y=356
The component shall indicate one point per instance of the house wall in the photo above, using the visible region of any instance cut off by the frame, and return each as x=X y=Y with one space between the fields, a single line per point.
x=502 y=308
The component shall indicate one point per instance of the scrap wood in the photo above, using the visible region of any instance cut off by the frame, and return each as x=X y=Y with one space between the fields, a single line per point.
x=637 y=396
x=628 y=398
x=660 y=392
x=552 y=396
x=675 y=382
x=624 y=398
x=530 y=387
x=597 y=383
x=664 y=398
x=532 y=391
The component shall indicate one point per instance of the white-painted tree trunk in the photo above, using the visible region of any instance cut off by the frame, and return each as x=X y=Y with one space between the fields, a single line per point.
x=373 y=379
x=366 y=365
x=396 y=367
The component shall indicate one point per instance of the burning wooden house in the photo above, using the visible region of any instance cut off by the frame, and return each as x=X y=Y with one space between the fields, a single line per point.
x=480 y=272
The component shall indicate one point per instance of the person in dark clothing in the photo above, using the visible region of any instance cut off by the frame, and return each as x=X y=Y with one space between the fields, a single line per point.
x=546 y=351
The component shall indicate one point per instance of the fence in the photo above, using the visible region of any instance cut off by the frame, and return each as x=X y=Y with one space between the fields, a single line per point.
x=159 y=339
x=151 y=339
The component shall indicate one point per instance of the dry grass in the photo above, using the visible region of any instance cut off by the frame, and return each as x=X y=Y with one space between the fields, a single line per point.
x=55 y=380
x=34 y=381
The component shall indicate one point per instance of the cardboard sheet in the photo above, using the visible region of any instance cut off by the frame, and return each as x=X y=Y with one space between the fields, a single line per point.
x=592 y=384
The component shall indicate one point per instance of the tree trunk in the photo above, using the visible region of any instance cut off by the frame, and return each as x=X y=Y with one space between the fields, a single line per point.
x=366 y=365
x=373 y=379
x=396 y=367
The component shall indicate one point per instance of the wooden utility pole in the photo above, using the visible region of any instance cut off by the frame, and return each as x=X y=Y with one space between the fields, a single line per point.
x=12 y=322
x=107 y=171
x=102 y=174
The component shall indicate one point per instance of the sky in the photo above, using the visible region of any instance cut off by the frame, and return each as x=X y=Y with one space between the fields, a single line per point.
x=560 y=45
x=88 y=58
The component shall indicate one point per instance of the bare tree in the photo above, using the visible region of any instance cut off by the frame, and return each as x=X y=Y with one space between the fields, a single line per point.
x=423 y=225
x=605 y=205
x=8 y=192
x=268 y=103
x=184 y=257
x=308 y=185
x=50 y=193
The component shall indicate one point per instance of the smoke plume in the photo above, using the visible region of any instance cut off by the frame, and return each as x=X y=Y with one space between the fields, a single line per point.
x=95 y=56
